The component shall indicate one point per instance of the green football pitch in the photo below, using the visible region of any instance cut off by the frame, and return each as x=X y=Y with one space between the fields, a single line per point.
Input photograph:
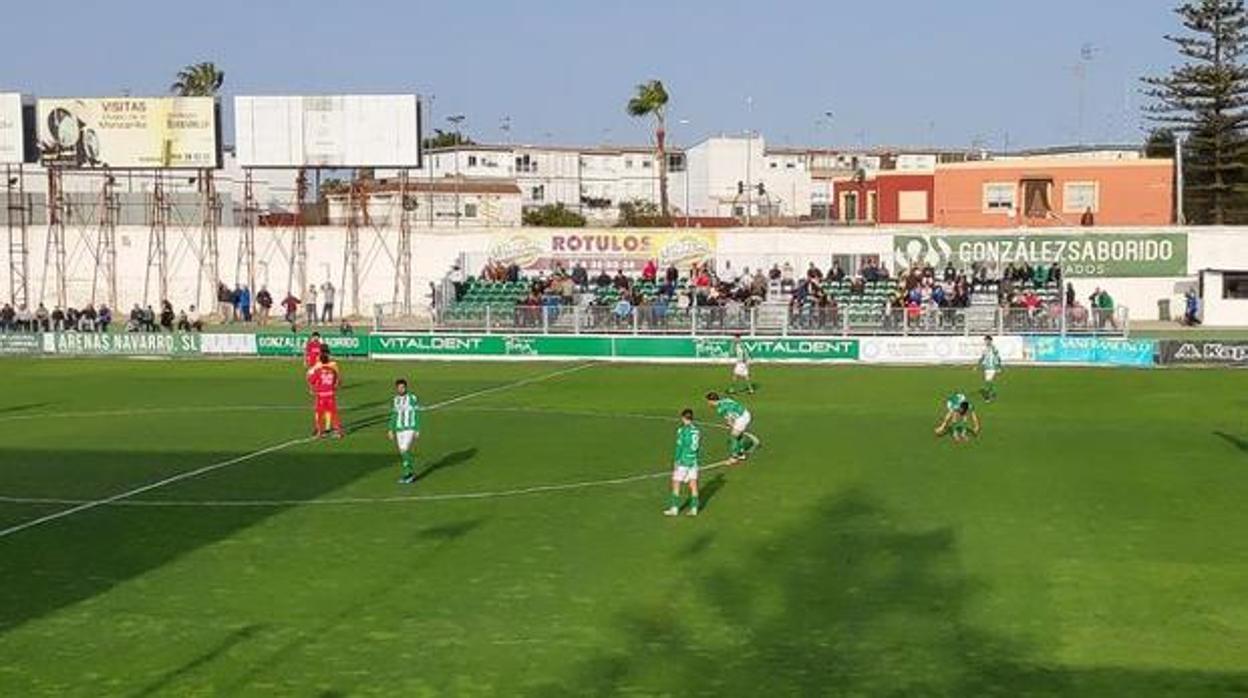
x=167 y=529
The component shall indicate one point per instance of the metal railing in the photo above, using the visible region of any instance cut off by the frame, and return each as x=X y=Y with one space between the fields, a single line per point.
x=776 y=320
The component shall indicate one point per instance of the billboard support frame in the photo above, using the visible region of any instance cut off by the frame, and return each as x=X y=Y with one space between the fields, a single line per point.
x=54 y=245
x=245 y=262
x=19 y=234
x=157 y=239
x=403 y=253
x=209 y=254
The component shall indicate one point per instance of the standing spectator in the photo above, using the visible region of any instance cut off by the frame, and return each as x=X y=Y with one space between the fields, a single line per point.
x=264 y=301
x=25 y=318
x=149 y=319
x=245 y=303
x=225 y=301
x=603 y=280
x=1088 y=219
x=236 y=303
x=580 y=277
x=1070 y=295
x=327 y=302
x=166 y=315
x=86 y=321
x=58 y=319
x=1191 y=308
x=290 y=304
x=41 y=317
x=8 y=318
x=650 y=272
x=190 y=320
x=309 y=305
x=105 y=317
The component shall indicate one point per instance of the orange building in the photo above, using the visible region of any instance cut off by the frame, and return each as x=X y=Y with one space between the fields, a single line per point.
x=1054 y=191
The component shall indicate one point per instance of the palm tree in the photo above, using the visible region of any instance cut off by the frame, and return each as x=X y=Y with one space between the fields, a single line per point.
x=651 y=100
x=198 y=80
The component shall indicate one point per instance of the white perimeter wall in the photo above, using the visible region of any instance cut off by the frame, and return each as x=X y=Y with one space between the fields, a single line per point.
x=434 y=252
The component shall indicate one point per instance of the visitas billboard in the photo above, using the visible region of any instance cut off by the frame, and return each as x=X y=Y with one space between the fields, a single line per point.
x=328 y=131
x=129 y=132
x=603 y=249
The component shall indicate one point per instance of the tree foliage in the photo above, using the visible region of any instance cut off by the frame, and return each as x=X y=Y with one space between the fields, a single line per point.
x=650 y=99
x=446 y=139
x=553 y=216
x=198 y=80
x=1204 y=99
x=640 y=213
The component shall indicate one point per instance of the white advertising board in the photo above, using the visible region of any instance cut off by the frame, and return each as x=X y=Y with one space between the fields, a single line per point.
x=328 y=131
x=129 y=132
x=936 y=350
x=12 y=133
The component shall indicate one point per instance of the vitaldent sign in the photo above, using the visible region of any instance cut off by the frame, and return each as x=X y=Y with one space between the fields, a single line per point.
x=601 y=347
x=1080 y=254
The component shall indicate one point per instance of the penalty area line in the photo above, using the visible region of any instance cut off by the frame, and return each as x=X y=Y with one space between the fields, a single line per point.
x=87 y=505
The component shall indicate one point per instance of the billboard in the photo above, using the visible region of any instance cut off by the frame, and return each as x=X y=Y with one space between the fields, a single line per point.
x=603 y=249
x=16 y=129
x=328 y=131
x=129 y=132
x=1082 y=255
x=1204 y=352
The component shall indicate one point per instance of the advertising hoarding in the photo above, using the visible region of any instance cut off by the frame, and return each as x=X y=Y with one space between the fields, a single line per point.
x=1082 y=255
x=129 y=132
x=292 y=344
x=16 y=130
x=128 y=344
x=398 y=345
x=937 y=350
x=328 y=131
x=1203 y=352
x=603 y=249
x=1092 y=351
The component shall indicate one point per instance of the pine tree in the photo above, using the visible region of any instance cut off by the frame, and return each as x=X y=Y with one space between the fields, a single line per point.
x=1205 y=100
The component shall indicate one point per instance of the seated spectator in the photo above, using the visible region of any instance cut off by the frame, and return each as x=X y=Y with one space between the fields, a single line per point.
x=104 y=319
x=775 y=273
x=580 y=277
x=58 y=319
x=86 y=320
x=1191 y=308
x=603 y=280
x=189 y=321
x=166 y=315
x=623 y=309
x=8 y=318
x=621 y=281
x=836 y=273
x=673 y=274
x=813 y=273
x=42 y=318
x=24 y=319
x=149 y=319
x=938 y=295
x=950 y=273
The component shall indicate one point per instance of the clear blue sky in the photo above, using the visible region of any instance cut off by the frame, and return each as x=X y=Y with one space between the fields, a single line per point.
x=892 y=71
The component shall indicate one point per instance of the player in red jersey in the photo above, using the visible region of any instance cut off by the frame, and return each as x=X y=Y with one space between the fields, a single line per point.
x=312 y=350
x=323 y=381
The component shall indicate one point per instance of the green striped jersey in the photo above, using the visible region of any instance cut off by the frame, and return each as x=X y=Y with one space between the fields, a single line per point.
x=954 y=402
x=405 y=413
x=991 y=359
x=729 y=408
x=742 y=354
x=688 y=442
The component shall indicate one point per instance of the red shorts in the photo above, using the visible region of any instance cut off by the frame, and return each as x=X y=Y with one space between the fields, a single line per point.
x=326 y=403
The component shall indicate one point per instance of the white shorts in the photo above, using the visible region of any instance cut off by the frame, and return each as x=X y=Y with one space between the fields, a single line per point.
x=740 y=424
x=741 y=370
x=405 y=439
x=990 y=374
x=685 y=473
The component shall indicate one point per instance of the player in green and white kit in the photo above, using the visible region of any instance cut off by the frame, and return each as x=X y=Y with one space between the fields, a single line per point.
x=740 y=367
x=960 y=421
x=742 y=443
x=404 y=428
x=685 y=465
x=990 y=362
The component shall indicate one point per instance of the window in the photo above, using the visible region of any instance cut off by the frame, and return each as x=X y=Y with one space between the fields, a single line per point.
x=645 y=164
x=525 y=163
x=790 y=165
x=676 y=162
x=911 y=206
x=470 y=210
x=628 y=164
x=1235 y=285
x=772 y=165
x=472 y=160
x=849 y=206
x=538 y=193
x=873 y=206
x=1079 y=197
x=999 y=197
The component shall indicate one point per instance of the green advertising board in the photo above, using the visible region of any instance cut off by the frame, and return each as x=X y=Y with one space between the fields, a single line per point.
x=292 y=344
x=122 y=344
x=14 y=343
x=1082 y=255
x=605 y=347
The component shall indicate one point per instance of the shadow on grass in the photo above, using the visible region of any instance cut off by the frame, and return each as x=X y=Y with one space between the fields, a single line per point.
x=846 y=603
x=450 y=460
x=28 y=407
x=68 y=560
x=708 y=489
x=235 y=638
x=1235 y=441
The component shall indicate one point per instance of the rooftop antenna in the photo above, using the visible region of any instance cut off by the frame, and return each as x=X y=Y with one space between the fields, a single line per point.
x=1087 y=53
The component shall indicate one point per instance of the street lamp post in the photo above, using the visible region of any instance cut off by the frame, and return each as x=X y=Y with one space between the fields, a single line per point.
x=749 y=155
x=685 y=156
x=827 y=201
x=455 y=120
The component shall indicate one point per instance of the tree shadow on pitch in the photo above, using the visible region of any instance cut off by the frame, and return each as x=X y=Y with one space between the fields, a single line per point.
x=28 y=407
x=230 y=641
x=845 y=603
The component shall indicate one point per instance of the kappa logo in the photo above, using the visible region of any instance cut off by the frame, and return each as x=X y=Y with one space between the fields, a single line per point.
x=1188 y=351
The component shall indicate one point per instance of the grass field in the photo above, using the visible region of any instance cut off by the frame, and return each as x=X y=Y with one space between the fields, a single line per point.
x=1091 y=543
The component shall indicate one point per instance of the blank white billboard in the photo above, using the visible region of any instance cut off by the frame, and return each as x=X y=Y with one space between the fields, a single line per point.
x=12 y=131
x=328 y=131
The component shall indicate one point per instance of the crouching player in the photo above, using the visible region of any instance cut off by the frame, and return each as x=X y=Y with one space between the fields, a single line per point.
x=960 y=422
x=685 y=465
x=741 y=443
x=405 y=429
x=323 y=381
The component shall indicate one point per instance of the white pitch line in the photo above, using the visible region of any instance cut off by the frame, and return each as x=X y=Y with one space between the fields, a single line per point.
x=147 y=410
x=92 y=504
